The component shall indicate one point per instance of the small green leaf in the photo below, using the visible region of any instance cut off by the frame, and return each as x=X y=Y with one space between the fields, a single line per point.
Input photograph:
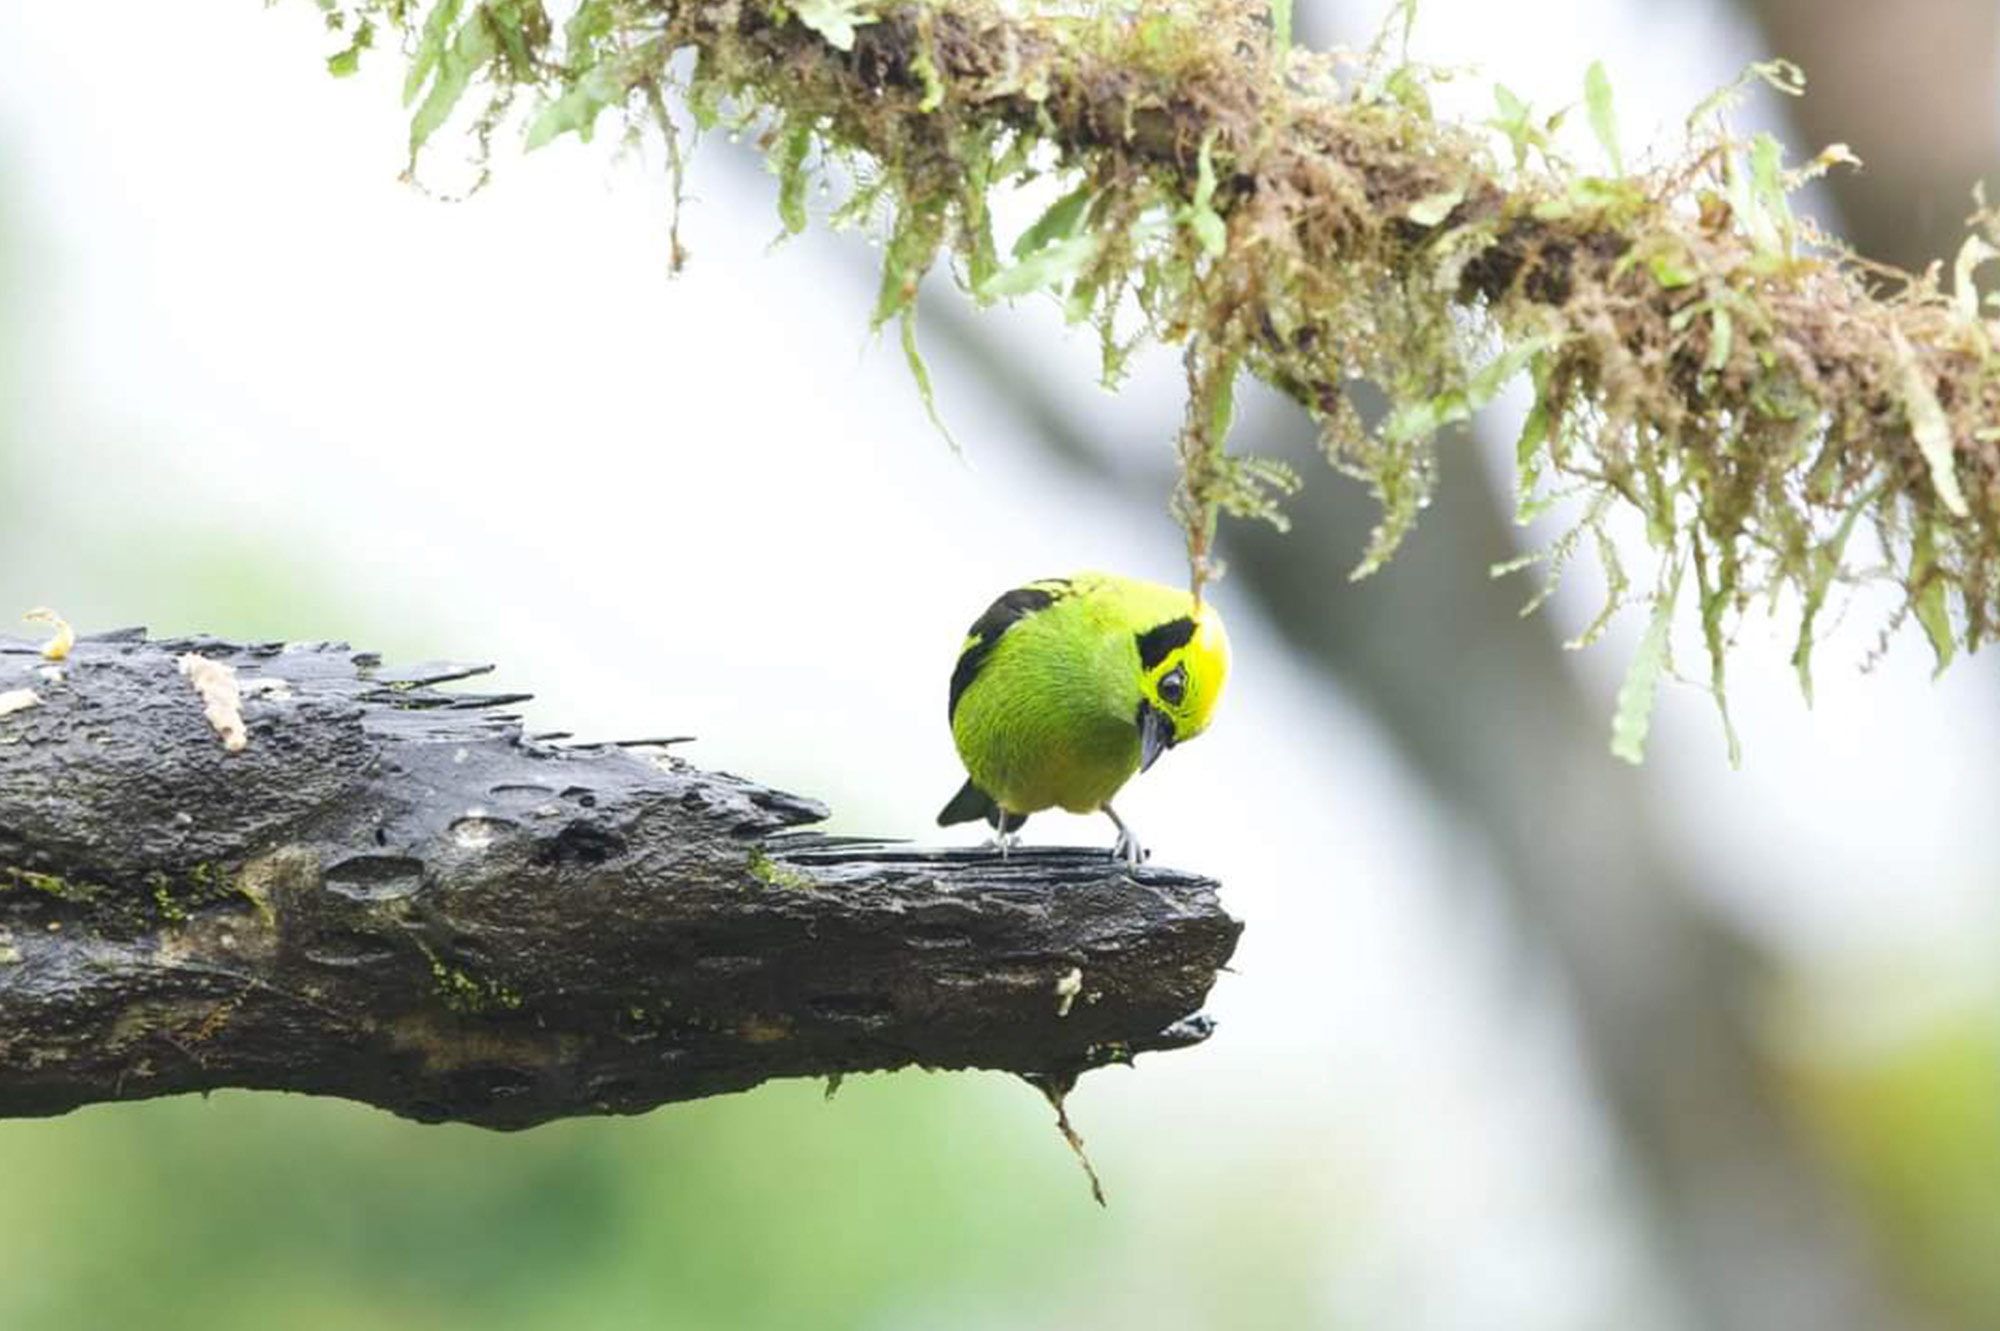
x=1046 y=267
x=913 y=245
x=1746 y=205
x=1936 y=619
x=1634 y=717
x=704 y=92
x=431 y=40
x=590 y=24
x=1495 y=375
x=467 y=55
x=1768 y=183
x=1928 y=596
x=921 y=373
x=1714 y=604
x=1200 y=215
x=1825 y=564
x=1426 y=416
x=1055 y=250
x=1058 y=223
x=982 y=258
x=1222 y=405
x=342 y=64
x=933 y=85
x=1209 y=230
x=1534 y=430
x=1603 y=118
x=1516 y=121
x=1670 y=270
x=1281 y=28
x=834 y=20
x=1928 y=425
x=1407 y=88
x=1434 y=208
x=792 y=178
x=1722 y=337
x=1604 y=194
x=576 y=111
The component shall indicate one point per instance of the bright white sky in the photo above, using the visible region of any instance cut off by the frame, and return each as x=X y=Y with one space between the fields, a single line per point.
x=498 y=431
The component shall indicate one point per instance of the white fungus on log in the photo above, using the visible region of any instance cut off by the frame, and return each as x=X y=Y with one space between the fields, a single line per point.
x=221 y=700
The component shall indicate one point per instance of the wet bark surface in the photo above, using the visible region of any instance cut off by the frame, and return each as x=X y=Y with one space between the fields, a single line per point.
x=390 y=893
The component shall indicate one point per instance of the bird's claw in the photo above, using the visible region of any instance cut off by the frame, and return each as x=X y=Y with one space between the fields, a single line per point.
x=1129 y=850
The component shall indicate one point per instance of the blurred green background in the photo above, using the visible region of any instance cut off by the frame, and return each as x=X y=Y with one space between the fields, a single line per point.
x=1518 y=1038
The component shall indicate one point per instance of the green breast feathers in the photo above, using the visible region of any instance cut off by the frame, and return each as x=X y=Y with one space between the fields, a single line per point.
x=1067 y=687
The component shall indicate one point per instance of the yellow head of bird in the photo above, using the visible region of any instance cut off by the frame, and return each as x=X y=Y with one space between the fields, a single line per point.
x=1183 y=664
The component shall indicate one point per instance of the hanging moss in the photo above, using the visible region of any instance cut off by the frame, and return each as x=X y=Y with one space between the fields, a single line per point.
x=1700 y=355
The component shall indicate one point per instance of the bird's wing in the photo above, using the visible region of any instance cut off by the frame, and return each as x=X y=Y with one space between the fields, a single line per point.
x=985 y=632
x=968 y=804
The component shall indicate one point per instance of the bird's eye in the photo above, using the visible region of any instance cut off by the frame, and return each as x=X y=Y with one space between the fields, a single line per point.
x=1173 y=686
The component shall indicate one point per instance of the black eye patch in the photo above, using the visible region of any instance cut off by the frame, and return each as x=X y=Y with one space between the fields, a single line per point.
x=1157 y=643
x=1173 y=686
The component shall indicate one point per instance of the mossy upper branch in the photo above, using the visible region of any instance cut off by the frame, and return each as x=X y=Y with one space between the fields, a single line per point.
x=1696 y=354
x=1700 y=355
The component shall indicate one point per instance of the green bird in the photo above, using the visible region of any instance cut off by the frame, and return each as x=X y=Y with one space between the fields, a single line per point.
x=1067 y=687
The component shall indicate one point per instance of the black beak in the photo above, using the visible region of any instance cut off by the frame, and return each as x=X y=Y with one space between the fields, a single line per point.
x=1156 y=735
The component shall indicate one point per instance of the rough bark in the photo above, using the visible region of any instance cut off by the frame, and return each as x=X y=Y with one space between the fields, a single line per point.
x=393 y=895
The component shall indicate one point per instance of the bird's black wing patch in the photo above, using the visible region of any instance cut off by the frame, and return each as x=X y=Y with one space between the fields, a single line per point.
x=985 y=632
x=1156 y=642
x=969 y=804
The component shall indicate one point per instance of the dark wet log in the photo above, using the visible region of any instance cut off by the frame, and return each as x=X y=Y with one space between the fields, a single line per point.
x=391 y=894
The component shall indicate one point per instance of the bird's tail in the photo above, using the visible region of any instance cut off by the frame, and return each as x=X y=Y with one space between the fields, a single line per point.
x=968 y=804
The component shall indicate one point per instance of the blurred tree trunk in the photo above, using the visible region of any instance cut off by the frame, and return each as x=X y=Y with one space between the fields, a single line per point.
x=1911 y=89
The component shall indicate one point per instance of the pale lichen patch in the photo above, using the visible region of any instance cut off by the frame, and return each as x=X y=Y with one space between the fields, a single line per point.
x=221 y=698
x=18 y=700
x=1068 y=986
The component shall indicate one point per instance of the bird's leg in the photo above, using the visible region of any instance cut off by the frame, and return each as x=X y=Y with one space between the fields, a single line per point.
x=1003 y=839
x=1128 y=848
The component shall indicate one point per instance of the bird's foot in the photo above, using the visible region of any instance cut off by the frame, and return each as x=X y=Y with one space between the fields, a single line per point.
x=1129 y=850
x=1003 y=842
